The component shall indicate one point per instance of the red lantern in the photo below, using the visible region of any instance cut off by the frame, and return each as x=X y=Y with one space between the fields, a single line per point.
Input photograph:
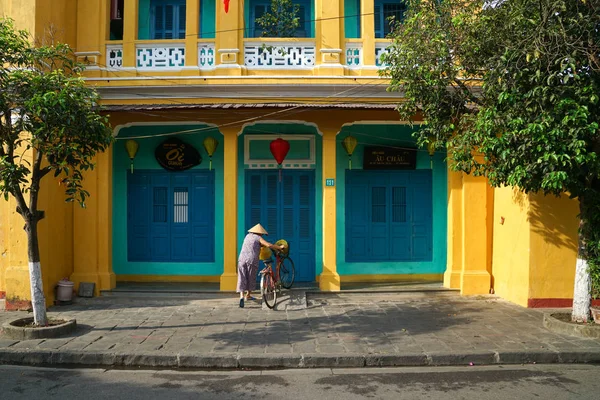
x=279 y=149
x=226 y=4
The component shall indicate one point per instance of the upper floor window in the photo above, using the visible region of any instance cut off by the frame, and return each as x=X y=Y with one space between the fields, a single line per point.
x=384 y=10
x=167 y=19
x=161 y=19
x=116 y=19
x=257 y=8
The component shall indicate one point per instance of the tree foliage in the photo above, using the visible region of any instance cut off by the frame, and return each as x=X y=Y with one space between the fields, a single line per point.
x=49 y=123
x=281 y=20
x=512 y=89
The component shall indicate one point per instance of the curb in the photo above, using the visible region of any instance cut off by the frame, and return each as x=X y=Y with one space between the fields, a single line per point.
x=287 y=361
x=558 y=326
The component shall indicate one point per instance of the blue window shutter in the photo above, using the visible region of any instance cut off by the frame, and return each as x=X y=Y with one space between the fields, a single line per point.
x=182 y=21
x=358 y=226
x=272 y=197
x=202 y=216
x=288 y=207
x=378 y=22
x=138 y=217
x=256 y=193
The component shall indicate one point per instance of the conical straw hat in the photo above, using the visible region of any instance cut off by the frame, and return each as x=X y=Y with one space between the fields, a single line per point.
x=258 y=229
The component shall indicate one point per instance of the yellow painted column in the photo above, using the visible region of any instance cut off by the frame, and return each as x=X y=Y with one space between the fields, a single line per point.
x=192 y=26
x=13 y=249
x=367 y=33
x=454 y=261
x=475 y=278
x=130 y=29
x=230 y=207
x=329 y=279
x=229 y=38
x=330 y=36
x=92 y=247
x=89 y=42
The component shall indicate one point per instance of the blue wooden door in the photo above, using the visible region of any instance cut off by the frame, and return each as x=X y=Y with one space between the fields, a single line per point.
x=389 y=216
x=170 y=216
x=286 y=209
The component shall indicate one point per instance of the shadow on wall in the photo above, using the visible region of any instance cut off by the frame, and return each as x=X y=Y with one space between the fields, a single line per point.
x=555 y=219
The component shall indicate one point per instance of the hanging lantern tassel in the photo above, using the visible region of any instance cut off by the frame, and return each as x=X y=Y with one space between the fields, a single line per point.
x=279 y=149
x=349 y=144
x=210 y=145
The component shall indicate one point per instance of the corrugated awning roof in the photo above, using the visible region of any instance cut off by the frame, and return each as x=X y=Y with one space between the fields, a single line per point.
x=155 y=107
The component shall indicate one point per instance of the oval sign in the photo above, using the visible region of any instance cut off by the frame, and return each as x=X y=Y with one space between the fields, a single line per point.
x=175 y=155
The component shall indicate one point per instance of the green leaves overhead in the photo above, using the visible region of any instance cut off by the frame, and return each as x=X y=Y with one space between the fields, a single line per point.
x=511 y=89
x=45 y=106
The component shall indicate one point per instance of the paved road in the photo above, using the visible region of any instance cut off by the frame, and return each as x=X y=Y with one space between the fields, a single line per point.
x=554 y=382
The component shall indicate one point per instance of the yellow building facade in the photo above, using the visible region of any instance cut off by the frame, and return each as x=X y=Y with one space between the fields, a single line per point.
x=190 y=70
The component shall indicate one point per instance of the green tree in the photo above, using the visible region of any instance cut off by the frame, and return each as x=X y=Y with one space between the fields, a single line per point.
x=511 y=88
x=46 y=110
x=281 y=20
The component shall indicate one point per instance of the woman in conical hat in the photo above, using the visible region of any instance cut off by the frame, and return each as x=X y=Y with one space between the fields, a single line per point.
x=248 y=261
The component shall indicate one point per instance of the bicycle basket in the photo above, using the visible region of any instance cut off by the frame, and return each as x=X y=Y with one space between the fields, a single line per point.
x=286 y=251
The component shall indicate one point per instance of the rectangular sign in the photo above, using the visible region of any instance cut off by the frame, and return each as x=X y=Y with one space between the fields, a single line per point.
x=329 y=182
x=376 y=157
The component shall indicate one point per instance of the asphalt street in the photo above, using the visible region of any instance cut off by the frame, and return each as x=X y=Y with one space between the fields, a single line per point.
x=554 y=382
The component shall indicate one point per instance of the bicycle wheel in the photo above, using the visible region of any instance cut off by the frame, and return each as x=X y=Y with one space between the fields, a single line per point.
x=287 y=273
x=267 y=289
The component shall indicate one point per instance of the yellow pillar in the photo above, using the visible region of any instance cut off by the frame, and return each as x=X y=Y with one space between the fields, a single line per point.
x=367 y=33
x=89 y=41
x=13 y=249
x=229 y=39
x=192 y=26
x=330 y=36
x=230 y=207
x=475 y=277
x=329 y=279
x=454 y=263
x=130 y=28
x=92 y=247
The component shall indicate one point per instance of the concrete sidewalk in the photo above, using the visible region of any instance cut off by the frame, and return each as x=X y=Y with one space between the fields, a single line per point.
x=335 y=330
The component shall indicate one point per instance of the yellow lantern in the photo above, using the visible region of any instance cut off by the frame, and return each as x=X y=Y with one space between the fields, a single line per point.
x=431 y=151
x=210 y=145
x=132 y=147
x=349 y=144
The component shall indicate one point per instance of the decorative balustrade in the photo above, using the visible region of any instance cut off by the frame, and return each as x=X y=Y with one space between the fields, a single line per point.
x=279 y=54
x=114 y=56
x=257 y=54
x=381 y=48
x=206 y=56
x=354 y=54
x=160 y=56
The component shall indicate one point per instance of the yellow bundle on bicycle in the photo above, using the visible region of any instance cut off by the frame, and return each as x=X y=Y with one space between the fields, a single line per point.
x=286 y=251
x=265 y=253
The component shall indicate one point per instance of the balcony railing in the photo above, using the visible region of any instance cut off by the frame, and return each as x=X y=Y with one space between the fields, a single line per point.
x=279 y=54
x=158 y=56
x=114 y=56
x=381 y=48
x=354 y=54
x=271 y=54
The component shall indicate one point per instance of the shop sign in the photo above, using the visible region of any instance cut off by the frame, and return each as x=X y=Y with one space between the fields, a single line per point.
x=175 y=155
x=389 y=158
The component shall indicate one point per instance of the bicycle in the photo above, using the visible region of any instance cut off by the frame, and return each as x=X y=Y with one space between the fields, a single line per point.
x=271 y=281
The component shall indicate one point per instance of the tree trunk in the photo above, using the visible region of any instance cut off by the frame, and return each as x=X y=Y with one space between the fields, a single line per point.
x=38 y=300
x=582 y=291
